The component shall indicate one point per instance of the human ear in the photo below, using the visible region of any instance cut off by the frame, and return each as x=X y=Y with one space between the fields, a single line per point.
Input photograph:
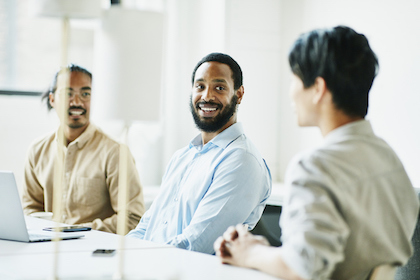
x=240 y=93
x=320 y=88
x=51 y=99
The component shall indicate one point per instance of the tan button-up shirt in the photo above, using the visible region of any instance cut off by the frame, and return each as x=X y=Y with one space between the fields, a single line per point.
x=350 y=207
x=90 y=185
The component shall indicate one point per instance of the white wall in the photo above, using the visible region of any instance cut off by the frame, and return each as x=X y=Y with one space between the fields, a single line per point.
x=392 y=30
x=258 y=35
x=22 y=119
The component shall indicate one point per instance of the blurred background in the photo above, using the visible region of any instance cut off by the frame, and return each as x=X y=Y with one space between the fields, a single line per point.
x=256 y=33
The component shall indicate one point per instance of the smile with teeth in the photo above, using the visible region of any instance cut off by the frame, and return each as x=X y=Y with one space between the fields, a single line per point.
x=208 y=109
x=76 y=112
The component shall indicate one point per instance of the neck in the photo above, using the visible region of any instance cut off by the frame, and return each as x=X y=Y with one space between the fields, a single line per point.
x=207 y=136
x=334 y=121
x=72 y=134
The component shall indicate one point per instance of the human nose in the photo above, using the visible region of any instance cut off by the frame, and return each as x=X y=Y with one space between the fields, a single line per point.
x=75 y=99
x=207 y=95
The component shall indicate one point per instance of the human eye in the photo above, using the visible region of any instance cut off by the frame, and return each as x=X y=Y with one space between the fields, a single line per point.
x=85 y=94
x=220 y=88
x=199 y=87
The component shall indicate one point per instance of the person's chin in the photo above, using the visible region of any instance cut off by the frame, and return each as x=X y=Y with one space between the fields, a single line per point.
x=207 y=119
x=77 y=123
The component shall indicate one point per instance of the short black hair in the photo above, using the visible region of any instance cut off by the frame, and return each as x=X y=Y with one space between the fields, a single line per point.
x=225 y=59
x=53 y=87
x=344 y=59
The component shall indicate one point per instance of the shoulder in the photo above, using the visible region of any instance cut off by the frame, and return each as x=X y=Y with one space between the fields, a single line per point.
x=42 y=141
x=243 y=149
x=310 y=167
x=42 y=146
x=104 y=140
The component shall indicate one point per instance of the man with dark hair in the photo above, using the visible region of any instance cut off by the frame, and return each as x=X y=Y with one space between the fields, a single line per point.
x=219 y=179
x=350 y=206
x=91 y=162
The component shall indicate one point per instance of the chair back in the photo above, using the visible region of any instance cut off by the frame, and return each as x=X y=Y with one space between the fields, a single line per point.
x=411 y=271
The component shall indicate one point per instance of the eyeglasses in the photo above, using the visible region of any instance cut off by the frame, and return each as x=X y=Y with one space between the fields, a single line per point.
x=83 y=95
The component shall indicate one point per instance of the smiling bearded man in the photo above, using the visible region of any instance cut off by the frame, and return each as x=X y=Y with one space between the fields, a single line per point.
x=210 y=124
x=219 y=179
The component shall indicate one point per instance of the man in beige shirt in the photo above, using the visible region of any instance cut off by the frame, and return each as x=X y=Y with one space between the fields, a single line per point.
x=350 y=206
x=91 y=163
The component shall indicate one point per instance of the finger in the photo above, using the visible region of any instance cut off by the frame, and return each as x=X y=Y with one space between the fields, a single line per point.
x=230 y=234
x=225 y=249
x=241 y=229
x=227 y=260
x=217 y=244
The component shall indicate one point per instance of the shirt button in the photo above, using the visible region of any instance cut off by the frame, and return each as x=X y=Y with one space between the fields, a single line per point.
x=165 y=222
x=64 y=196
x=176 y=199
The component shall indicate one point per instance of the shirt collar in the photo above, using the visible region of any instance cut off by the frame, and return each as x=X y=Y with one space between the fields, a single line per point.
x=361 y=127
x=222 y=140
x=83 y=138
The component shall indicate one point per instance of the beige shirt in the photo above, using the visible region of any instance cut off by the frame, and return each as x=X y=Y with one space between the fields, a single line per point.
x=350 y=207
x=90 y=187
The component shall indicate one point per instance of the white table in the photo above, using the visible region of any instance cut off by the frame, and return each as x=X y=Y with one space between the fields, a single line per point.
x=143 y=260
x=93 y=240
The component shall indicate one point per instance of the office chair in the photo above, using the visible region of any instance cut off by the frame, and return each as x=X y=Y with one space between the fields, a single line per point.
x=268 y=225
x=411 y=271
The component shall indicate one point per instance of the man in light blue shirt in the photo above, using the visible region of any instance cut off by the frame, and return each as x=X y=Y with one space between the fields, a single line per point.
x=219 y=179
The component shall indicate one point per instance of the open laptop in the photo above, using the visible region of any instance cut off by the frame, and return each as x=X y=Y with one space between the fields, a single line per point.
x=12 y=219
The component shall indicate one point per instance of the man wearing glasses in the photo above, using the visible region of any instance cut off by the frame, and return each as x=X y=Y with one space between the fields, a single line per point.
x=91 y=162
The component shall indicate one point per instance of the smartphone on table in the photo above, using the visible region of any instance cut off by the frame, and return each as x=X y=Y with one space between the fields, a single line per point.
x=103 y=252
x=69 y=228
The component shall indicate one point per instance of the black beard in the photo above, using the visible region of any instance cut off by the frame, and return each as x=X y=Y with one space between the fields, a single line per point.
x=216 y=123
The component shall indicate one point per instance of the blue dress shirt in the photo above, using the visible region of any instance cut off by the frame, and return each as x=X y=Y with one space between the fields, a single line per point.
x=205 y=190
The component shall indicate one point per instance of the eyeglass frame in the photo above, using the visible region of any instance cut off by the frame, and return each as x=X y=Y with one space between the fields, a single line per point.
x=71 y=93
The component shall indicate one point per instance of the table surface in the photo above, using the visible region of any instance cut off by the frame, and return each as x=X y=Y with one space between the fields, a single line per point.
x=142 y=260
x=93 y=240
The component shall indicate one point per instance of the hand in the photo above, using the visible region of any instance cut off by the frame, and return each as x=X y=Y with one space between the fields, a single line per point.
x=236 y=245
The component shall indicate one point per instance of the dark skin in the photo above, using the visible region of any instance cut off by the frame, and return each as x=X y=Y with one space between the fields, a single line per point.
x=77 y=111
x=213 y=82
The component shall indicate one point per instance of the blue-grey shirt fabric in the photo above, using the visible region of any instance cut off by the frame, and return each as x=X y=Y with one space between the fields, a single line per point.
x=350 y=207
x=206 y=189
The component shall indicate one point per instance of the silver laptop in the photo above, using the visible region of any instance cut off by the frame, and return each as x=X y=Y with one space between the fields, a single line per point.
x=12 y=219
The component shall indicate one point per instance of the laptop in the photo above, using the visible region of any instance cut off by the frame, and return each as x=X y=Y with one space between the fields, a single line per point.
x=12 y=219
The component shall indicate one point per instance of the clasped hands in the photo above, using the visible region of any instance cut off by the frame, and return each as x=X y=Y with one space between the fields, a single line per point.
x=237 y=244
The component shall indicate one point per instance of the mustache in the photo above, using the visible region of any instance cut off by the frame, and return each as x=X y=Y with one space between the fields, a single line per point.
x=77 y=108
x=197 y=105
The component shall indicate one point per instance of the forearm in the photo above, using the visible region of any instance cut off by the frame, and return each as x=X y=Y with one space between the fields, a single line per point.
x=32 y=200
x=29 y=209
x=269 y=260
x=110 y=224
